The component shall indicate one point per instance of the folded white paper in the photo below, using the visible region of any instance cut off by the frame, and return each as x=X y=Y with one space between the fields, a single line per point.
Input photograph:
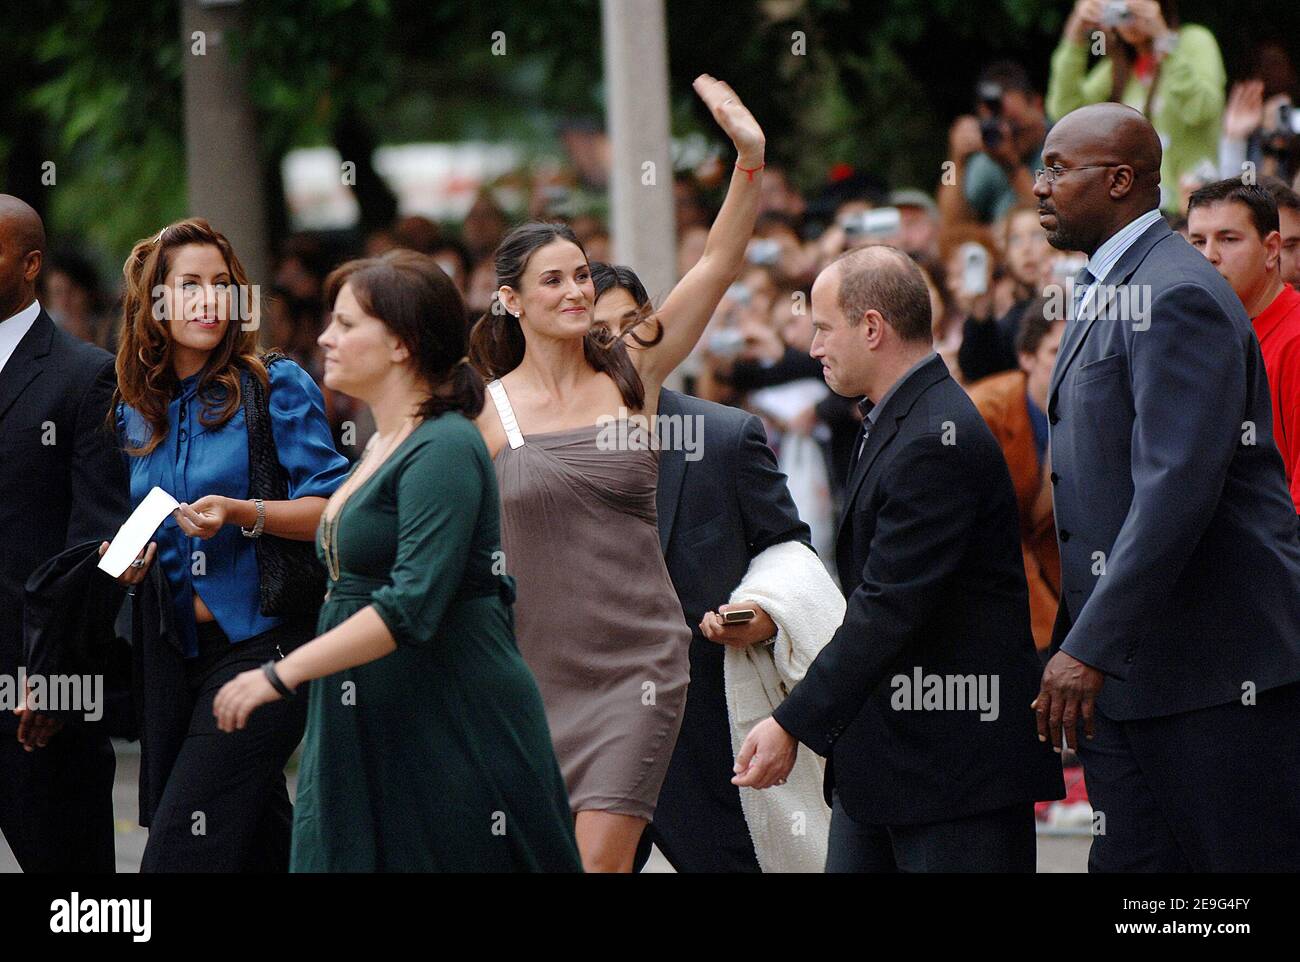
x=132 y=537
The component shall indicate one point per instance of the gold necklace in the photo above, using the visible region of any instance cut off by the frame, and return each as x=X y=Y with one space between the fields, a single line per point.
x=330 y=523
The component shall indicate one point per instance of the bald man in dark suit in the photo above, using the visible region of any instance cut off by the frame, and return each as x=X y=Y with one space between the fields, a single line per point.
x=62 y=483
x=1177 y=666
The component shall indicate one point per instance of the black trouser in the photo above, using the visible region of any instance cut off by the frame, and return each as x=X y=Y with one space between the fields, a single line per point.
x=1212 y=790
x=56 y=803
x=226 y=806
x=1004 y=840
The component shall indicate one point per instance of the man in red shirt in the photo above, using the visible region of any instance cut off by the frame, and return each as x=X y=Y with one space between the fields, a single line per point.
x=1236 y=227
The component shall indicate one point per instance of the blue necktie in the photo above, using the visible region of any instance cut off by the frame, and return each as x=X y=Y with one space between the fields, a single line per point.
x=1082 y=281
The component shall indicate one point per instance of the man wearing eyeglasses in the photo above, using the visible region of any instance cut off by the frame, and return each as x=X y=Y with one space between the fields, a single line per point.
x=1176 y=672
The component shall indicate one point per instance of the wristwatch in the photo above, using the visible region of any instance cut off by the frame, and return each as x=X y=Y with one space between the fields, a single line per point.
x=256 y=530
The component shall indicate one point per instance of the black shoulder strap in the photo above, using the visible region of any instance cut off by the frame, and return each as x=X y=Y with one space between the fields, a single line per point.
x=266 y=478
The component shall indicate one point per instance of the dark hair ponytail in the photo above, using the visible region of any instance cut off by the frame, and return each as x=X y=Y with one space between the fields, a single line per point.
x=462 y=390
x=419 y=303
x=496 y=342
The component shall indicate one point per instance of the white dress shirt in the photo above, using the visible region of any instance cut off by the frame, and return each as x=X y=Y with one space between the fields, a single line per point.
x=14 y=329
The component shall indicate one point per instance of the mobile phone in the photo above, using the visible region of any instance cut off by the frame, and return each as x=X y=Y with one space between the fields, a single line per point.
x=738 y=616
x=974 y=268
x=763 y=251
x=1288 y=119
x=739 y=293
x=726 y=342
x=879 y=222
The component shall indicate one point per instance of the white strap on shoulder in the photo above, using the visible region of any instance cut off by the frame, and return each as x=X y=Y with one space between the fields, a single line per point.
x=506 y=413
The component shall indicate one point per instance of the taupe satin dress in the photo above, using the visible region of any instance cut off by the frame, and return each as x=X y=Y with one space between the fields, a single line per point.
x=597 y=618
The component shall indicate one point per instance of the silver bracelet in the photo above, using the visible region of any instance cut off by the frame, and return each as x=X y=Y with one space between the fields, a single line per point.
x=256 y=530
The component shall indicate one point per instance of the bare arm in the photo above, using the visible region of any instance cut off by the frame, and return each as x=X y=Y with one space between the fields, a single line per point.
x=363 y=638
x=953 y=209
x=286 y=519
x=963 y=140
x=295 y=519
x=691 y=303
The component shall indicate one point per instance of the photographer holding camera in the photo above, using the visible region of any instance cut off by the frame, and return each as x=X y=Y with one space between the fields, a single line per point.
x=1261 y=125
x=994 y=153
x=1172 y=73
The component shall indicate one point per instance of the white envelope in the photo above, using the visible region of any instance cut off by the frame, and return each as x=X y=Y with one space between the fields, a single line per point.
x=132 y=537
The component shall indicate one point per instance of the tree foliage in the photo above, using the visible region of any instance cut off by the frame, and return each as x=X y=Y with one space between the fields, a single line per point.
x=99 y=83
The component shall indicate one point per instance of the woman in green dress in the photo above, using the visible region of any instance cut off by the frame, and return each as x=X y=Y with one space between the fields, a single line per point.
x=427 y=747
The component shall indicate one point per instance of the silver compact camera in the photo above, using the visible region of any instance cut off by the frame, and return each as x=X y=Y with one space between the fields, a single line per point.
x=1115 y=13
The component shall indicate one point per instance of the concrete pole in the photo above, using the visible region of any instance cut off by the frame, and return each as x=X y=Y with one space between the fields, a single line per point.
x=222 y=163
x=642 y=228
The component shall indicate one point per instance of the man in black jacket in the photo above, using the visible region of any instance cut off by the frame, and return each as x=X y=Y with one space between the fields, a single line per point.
x=921 y=700
x=62 y=482
x=716 y=514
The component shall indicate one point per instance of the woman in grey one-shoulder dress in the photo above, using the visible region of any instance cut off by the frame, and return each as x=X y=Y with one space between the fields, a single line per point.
x=597 y=618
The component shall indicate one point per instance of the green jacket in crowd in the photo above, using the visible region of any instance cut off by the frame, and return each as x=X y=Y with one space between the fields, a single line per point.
x=1186 y=110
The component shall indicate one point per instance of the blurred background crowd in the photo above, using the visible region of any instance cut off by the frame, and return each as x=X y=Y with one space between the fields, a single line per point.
x=1220 y=86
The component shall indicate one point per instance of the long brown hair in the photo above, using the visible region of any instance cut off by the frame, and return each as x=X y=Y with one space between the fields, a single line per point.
x=146 y=379
x=497 y=341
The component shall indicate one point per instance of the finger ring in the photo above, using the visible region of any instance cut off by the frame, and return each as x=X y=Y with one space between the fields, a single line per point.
x=137 y=563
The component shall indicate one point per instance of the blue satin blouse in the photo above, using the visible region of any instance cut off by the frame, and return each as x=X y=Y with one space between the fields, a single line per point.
x=194 y=460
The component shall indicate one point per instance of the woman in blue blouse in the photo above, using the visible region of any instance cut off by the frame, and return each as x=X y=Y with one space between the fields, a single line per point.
x=186 y=339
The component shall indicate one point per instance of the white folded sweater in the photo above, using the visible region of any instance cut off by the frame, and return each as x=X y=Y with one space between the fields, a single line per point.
x=788 y=823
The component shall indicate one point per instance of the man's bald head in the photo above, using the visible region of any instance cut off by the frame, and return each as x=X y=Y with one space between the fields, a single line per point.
x=22 y=245
x=871 y=320
x=1117 y=129
x=1107 y=163
x=20 y=223
x=887 y=280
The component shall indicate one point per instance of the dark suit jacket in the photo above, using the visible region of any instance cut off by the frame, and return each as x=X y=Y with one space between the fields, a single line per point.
x=62 y=478
x=715 y=515
x=1180 y=557
x=929 y=558
x=68 y=629
x=736 y=505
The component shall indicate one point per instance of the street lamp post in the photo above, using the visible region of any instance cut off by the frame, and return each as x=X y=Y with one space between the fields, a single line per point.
x=222 y=160
x=641 y=176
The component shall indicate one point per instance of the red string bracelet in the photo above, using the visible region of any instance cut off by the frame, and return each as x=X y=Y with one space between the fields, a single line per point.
x=750 y=173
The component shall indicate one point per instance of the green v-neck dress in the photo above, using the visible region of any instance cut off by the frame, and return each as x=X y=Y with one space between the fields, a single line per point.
x=436 y=757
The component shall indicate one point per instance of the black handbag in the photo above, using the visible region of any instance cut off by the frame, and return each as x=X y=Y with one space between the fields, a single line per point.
x=291 y=579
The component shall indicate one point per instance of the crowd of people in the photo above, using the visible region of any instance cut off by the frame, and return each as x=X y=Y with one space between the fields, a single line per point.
x=976 y=235
x=610 y=648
